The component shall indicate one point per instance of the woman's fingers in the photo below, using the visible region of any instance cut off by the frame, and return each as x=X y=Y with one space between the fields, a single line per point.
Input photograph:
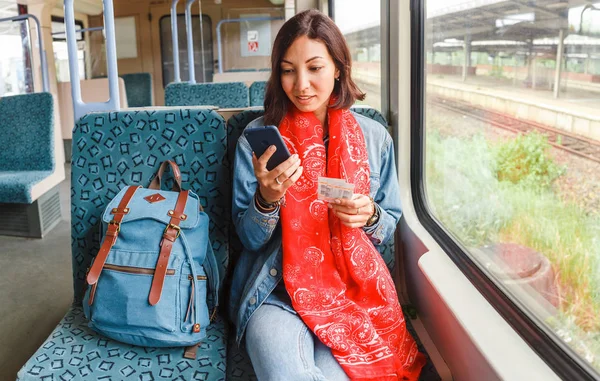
x=264 y=158
x=285 y=167
x=293 y=178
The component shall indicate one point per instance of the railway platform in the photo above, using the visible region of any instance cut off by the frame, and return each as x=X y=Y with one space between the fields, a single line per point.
x=576 y=110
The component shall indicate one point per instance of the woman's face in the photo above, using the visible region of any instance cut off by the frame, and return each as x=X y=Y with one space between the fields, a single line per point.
x=308 y=75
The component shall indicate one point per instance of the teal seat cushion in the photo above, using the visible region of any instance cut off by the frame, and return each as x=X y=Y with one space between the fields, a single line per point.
x=75 y=352
x=15 y=186
x=222 y=95
x=27 y=142
x=257 y=93
x=138 y=87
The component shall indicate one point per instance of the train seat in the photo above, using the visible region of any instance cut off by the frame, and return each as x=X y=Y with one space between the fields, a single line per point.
x=28 y=179
x=138 y=87
x=222 y=95
x=257 y=93
x=110 y=150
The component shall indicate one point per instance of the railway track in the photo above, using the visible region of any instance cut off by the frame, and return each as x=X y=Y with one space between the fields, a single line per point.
x=575 y=144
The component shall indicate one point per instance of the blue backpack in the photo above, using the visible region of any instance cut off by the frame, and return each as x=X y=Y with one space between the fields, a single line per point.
x=149 y=282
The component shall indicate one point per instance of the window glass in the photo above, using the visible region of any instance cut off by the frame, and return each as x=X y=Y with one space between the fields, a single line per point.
x=166 y=45
x=512 y=156
x=363 y=36
x=61 y=55
x=15 y=55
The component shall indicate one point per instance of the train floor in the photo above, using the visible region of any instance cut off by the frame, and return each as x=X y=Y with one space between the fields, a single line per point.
x=36 y=288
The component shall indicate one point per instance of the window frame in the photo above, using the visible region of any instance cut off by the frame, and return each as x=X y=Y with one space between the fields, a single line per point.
x=553 y=351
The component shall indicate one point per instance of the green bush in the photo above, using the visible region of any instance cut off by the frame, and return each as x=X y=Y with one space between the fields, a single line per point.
x=524 y=161
x=463 y=189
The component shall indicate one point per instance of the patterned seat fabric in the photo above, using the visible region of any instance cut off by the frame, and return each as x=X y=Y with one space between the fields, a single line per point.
x=26 y=145
x=222 y=95
x=370 y=113
x=257 y=93
x=110 y=151
x=138 y=87
x=75 y=352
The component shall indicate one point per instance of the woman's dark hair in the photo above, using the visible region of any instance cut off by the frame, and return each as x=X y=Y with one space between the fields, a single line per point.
x=315 y=25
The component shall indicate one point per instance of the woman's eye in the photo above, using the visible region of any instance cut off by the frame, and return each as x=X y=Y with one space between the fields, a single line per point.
x=286 y=71
x=316 y=68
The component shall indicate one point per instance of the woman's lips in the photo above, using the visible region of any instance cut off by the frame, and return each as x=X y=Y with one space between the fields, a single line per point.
x=305 y=99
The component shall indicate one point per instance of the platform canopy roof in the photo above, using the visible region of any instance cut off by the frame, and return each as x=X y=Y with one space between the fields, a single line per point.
x=506 y=20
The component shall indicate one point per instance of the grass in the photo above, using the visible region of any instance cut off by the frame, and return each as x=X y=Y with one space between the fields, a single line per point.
x=483 y=193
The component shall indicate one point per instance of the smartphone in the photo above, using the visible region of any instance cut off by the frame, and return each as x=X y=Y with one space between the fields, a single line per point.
x=261 y=138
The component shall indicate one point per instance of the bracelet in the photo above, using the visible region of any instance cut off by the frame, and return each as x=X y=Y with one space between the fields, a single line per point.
x=263 y=205
x=375 y=216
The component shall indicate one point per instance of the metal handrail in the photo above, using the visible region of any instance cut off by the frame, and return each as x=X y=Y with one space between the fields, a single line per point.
x=175 y=38
x=79 y=107
x=44 y=62
x=94 y=29
x=190 y=40
x=219 y=49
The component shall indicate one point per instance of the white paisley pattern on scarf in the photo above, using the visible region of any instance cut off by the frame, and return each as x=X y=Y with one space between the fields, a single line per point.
x=337 y=280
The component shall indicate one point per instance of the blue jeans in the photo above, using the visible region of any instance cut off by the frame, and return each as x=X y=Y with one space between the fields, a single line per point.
x=283 y=348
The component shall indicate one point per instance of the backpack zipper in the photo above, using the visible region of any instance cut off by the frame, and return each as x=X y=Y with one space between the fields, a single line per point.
x=125 y=269
x=191 y=306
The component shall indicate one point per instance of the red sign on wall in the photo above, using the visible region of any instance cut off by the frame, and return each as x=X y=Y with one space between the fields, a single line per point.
x=253 y=46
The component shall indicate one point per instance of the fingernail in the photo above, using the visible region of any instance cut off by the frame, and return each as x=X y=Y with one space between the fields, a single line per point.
x=272 y=148
x=337 y=201
x=295 y=156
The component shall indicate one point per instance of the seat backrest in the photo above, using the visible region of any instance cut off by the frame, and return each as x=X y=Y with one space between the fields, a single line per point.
x=27 y=138
x=223 y=95
x=370 y=112
x=139 y=89
x=257 y=93
x=115 y=149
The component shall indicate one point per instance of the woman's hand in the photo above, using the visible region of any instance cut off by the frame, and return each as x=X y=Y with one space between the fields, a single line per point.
x=273 y=184
x=353 y=212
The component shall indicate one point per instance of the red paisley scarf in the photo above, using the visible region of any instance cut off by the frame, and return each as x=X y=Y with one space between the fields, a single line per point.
x=337 y=280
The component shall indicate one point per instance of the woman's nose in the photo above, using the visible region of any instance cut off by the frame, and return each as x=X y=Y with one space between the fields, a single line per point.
x=302 y=82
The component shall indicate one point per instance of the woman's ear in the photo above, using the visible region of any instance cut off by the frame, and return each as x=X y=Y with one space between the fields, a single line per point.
x=336 y=75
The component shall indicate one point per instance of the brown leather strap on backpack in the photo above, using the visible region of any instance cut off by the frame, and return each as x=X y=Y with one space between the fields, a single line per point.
x=112 y=232
x=191 y=352
x=170 y=235
x=156 y=181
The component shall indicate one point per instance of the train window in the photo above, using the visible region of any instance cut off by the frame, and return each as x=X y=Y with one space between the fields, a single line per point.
x=59 y=45
x=511 y=155
x=166 y=49
x=15 y=55
x=363 y=35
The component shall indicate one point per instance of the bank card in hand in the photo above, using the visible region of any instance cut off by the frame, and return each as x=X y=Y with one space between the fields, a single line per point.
x=329 y=189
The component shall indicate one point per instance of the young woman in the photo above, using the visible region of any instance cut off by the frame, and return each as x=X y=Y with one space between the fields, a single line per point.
x=310 y=292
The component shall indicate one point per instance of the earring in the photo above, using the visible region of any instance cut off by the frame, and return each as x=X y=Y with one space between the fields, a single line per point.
x=337 y=79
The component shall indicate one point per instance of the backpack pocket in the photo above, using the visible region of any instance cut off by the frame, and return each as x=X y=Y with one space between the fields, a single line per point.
x=193 y=302
x=120 y=297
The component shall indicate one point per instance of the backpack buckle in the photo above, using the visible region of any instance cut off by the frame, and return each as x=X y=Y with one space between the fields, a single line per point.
x=173 y=227
x=117 y=224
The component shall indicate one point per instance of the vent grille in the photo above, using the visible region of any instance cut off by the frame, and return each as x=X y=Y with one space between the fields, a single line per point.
x=50 y=211
x=14 y=219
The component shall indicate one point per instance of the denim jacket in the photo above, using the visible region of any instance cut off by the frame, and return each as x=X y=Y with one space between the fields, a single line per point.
x=259 y=268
